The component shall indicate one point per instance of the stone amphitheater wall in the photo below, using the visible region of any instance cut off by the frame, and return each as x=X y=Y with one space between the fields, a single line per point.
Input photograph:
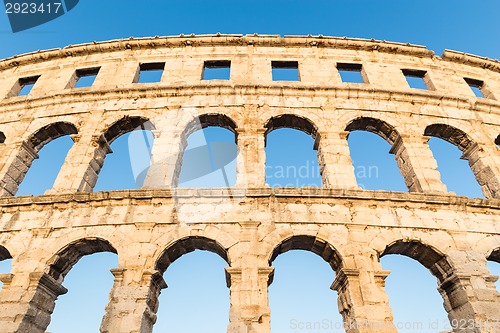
x=250 y=224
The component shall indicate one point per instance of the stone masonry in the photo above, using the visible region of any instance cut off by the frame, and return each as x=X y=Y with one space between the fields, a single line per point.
x=250 y=224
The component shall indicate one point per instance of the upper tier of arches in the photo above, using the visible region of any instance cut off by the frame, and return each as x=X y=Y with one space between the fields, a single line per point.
x=251 y=104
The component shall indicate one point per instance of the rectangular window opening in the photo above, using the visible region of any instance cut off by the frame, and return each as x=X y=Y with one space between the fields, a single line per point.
x=477 y=87
x=351 y=73
x=217 y=70
x=85 y=77
x=151 y=72
x=285 y=70
x=26 y=84
x=416 y=78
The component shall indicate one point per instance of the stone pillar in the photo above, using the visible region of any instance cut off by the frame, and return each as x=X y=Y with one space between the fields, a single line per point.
x=417 y=164
x=248 y=279
x=119 y=75
x=133 y=301
x=251 y=160
x=26 y=306
x=484 y=165
x=240 y=69
x=470 y=296
x=54 y=82
x=115 y=74
x=18 y=160
x=82 y=165
x=166 y=158
x=249 y=309
x=335 y=161
x=259 y=66
x=362 y=300
x=7 y=86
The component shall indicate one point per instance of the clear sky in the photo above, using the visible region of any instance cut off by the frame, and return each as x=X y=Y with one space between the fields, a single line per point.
x=197 y=299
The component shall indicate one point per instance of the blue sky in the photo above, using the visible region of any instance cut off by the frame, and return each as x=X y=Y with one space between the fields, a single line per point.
x=461 y=25
x=300 y=291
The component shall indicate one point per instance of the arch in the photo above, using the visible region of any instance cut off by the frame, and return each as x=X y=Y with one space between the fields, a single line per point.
x=456 y=300
x=428 y=256
x=483 y=173
x=50 y=132
x=118 y=128
x=493 y=264
x=450 y=134
x=380 y=127
x=497 y=140
x=209 y=119
x=187 y=245
x=59 y=266
x=329 y=254
x=28 y=152
x=495 y=255
x=388 y=169
x=309 y=243
x=293 y=121
x=4 y=253
x=177 y=249
x=297 y=139
x=62 y=262
x=198 y=123
x=127 y=124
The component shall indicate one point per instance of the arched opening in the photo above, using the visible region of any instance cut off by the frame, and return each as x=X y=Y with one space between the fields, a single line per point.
x=416 y=304
x=5 y=263
x=197 y=298
x=2 y=137
x=291 y=157
x=83 y=268
x=39 y=160
x=494 y=266
x=370 y=143
x=300 y=297
x=457 y=160
x=209 y=150
x=124 y=154
x=497 y=141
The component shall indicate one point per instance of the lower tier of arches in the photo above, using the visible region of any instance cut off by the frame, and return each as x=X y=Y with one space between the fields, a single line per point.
x=452 y=237
x=457 y=261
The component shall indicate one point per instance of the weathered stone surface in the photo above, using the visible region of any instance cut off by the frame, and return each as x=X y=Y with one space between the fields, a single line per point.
x=249 y=225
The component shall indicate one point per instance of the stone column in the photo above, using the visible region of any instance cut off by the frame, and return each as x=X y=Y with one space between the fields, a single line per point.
x=248 y=279
x=335 y=161
x=240 y=69
x=362 y=300
x=259 y=66
x=133 y=301
x=18 y=160
x=166 y=158
x=470 y=296
x=27 y=302
x=82 y=165
x=417 y=164
x=251 y=160
x=483 y=163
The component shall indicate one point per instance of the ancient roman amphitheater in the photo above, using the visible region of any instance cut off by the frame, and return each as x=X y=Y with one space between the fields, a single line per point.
x=250 y=224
